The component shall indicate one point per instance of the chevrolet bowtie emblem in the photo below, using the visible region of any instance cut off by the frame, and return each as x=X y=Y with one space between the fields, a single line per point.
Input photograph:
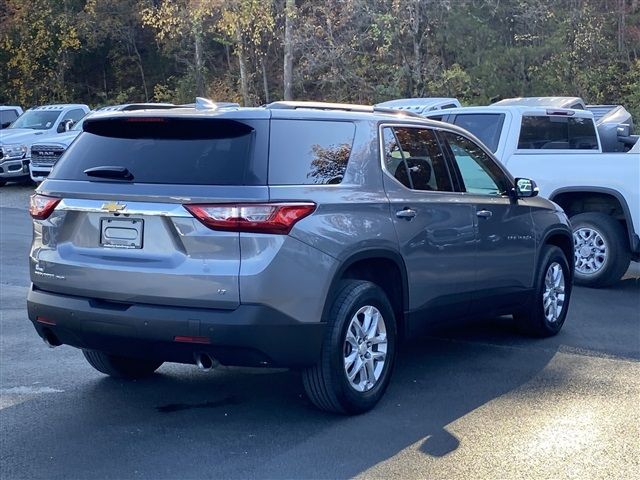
x=113 y=207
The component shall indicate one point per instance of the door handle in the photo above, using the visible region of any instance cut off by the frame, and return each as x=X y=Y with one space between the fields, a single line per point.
x=484 y=213
x=406 y=213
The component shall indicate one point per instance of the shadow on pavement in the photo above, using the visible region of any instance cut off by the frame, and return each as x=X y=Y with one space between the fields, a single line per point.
x=240 y=423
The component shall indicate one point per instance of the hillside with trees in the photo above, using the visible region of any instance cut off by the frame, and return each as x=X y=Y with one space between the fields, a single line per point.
x=256 y=51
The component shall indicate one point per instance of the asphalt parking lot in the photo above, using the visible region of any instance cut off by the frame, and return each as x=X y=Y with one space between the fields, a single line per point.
x=470 y=401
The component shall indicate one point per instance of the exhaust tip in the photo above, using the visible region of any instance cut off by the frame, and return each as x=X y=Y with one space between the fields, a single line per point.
x=50 y=339
x=205 y=362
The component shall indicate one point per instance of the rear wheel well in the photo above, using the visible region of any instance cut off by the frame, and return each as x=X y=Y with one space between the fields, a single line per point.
x=385 y=273
x=574 y=203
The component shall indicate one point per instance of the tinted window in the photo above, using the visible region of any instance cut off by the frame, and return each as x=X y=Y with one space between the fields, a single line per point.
x=557 y=132
x=173 y=151
x=7 y=116
x=485 y=126
x=309 y=152
x=480 y=174
x=414 y=158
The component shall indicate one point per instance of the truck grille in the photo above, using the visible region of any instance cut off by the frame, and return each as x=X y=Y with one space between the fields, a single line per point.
x=46 y=155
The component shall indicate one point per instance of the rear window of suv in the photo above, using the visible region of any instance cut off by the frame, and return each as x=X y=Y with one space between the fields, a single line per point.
x=165 y=150
x=308 y=152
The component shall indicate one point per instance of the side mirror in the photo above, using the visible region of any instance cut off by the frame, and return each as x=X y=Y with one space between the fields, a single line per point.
x=65 y=126
x=623 y=130
x=526 y=188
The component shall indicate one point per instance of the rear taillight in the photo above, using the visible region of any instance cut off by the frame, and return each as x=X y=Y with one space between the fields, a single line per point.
x=41 y=206
x=276 y=218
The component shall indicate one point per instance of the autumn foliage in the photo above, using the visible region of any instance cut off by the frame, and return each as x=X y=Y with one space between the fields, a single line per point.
x=361 y=51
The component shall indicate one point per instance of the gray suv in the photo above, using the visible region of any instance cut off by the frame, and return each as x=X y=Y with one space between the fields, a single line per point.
x=302 y=235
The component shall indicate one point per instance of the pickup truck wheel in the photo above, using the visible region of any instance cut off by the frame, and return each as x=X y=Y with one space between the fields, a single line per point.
x=601 y=253
x=546 y=312
x=121 y=367
x=358 y=351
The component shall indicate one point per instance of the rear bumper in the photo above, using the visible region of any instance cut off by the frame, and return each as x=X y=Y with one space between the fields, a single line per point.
x=251 y=335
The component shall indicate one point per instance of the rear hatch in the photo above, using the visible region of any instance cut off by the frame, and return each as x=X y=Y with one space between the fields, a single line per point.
x=120 y=231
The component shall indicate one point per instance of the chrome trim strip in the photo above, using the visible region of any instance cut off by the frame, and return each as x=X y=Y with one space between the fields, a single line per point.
x=47 y=146
x=132 y=208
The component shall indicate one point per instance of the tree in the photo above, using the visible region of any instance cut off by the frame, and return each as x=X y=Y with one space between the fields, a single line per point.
x=117 y=22
x=359 y=51
x=38 y=38
x=180 y=26
x=290 y=15
x=250 y=24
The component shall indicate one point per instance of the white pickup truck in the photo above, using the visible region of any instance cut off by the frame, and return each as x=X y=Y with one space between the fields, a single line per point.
x=561 y=150
x=609 y=118
x=31 y=126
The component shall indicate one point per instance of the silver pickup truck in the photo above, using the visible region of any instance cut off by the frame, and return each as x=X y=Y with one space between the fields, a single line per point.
x=31 y=126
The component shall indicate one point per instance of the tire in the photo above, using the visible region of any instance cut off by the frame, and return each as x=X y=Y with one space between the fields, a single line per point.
x=2 y=183
x=601 y=253
x=326 y=383
x=121 y=367
x=540 y=319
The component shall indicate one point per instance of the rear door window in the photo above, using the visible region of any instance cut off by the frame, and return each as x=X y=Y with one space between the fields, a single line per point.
x=171 y=150
x=414 y=158
x=486 y=126
x=557 y=132
x=309 y=152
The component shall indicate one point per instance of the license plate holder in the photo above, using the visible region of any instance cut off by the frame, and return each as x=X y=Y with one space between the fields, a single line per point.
x=125 y=233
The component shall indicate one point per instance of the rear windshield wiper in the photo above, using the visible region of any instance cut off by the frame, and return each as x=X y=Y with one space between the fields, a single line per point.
x=111 y=172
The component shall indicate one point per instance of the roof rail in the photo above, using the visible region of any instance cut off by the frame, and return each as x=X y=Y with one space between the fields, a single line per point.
x=347 y=107
x=319 y=106
x=397 y=111
x=206 y=104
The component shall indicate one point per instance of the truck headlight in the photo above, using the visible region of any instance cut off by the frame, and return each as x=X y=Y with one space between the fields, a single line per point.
x=13 y=152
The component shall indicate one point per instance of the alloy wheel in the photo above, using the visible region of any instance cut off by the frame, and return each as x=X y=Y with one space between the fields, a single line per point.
x=590 y=250
x=553 y=296
x=365 y=348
